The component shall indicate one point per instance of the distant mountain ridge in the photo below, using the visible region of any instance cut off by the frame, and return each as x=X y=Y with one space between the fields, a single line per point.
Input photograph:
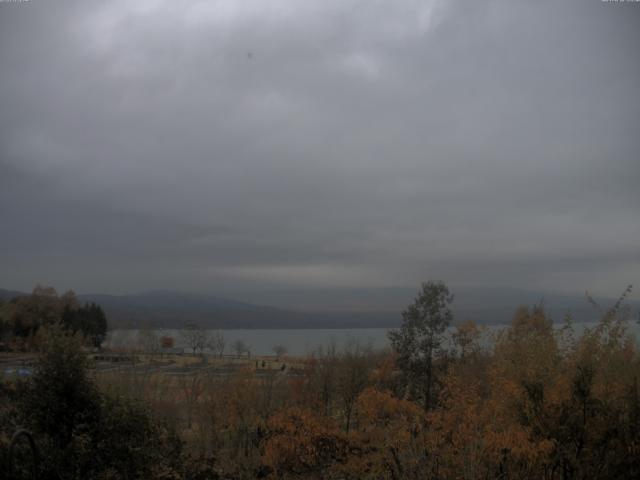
x=174 y=309
x=9 y=294
x=170 y=309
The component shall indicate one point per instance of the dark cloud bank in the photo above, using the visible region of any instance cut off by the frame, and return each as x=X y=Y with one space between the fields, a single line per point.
x=259 y=149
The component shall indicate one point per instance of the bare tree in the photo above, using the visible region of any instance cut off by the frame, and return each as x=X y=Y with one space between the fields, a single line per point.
x=325 y=376
x=466 y=338
x=280 y=350
x=217 y=343
x=240 y=347
x=353 y=372
x=196 y=338
x=148 y=340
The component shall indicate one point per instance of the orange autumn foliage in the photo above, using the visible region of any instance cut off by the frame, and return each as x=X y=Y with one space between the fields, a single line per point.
x=301 y=442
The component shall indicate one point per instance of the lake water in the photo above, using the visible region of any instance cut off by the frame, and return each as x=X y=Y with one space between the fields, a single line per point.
x=297 y=341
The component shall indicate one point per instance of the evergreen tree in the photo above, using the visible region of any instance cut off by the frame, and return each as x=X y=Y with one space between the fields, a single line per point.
x=420 y=337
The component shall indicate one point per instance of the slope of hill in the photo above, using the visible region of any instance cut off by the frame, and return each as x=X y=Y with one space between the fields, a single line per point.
x=171 y=309
x=9 y=294
x=174 y=309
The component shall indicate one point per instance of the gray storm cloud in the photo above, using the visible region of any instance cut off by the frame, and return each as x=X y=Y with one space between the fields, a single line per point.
x=224 y=146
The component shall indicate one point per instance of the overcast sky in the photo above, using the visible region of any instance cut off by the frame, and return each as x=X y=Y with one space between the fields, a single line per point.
x=233 y=146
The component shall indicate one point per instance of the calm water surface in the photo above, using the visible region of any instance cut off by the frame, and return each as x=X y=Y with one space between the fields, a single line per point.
x=299 y=341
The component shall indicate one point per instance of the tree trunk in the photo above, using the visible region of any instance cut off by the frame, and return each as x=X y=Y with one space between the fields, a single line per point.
x=428 y=382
